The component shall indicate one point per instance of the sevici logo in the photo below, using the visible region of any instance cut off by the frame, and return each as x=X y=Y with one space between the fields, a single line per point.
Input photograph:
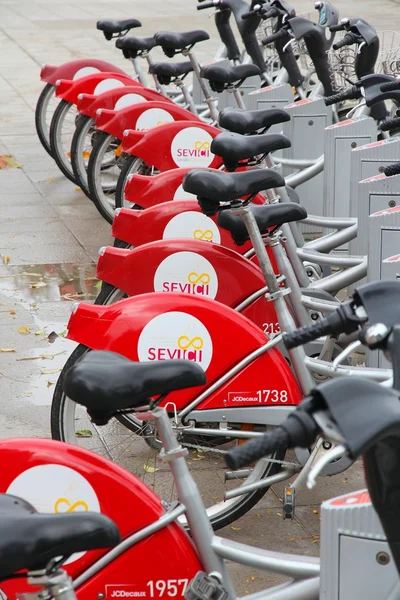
x=186 y=273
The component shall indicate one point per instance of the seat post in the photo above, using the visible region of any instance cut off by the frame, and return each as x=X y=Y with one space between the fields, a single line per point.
x=139 y=72
x=187 y=96
x=211 y=102
x=160 y=88
x=277 y=295
x=189 y=495
x=238 y=98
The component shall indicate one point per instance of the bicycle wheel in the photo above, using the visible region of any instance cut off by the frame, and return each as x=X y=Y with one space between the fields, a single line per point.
x=133 y=444
x=62 y=129
x=106 y=170
x=81 y=149
x=45 y=107
x=131 y=166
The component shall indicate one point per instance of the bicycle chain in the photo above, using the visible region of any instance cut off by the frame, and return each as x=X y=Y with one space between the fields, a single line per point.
x=284 y=463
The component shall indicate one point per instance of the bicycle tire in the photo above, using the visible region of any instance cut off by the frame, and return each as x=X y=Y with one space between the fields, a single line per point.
x=60 y=156
x=42 y=128
x=77 y=160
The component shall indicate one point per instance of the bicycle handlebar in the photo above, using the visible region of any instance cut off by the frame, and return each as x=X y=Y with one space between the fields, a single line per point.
x=391 y=170
x=390 y=123
x=335 y=28
x=274 y=37
x=391 y=86
x=205 y=5
x=351 y=93
x=348 y=40
x=298 y=430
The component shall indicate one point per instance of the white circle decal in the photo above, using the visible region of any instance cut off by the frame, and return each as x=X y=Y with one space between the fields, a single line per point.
x=191 y=148
x=187 y=273
x=84 y=72
x=180 y=194
x=153 y=117
x=175 y=335
x=107 y=84
x=128 y=100
x=56 y=489
x=193 y=225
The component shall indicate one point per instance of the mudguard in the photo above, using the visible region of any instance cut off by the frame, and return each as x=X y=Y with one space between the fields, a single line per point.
x=57 y=477
x=170 y=220
x=178 y=144
x=147 y=191
x=141 y=116
x=75 y=69
x=116 y=99
x=166 y=326
x=92 y=84
x=190 y=267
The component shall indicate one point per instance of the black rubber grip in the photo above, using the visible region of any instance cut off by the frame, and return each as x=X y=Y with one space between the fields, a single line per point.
x=351 y=93
x=391 y=170
x=390 y=123
x=335 y=28
x=304 y=335
x=269 y=14
x=206 y=5
x=348 y=40
x=259 y=447
x=274 y=37
x=391 y=86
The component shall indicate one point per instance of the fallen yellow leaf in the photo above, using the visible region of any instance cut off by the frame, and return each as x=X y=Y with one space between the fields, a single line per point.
x=315 y=512
x=7 y=161
x=236 y=528
x=6 y=259
x=149 y=469
x=40 y=332
x=50 y=383
x=12 y=312
x=49 y=371
x=39 y=284
x=7 y=350
x=24 y=330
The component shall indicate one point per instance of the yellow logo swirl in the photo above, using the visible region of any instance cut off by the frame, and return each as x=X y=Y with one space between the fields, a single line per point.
x=184 y=343
x=196 y=278
x=202 y=145
x=207 y=235
x=70 y=507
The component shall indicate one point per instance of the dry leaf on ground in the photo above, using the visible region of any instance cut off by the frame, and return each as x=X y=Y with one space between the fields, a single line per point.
x=7 y=161
x=24 y=330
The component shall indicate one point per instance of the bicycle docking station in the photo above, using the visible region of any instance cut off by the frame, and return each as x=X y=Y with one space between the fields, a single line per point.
x=340 y=140
x=370 y=190
x=306 y=129
x=384 y=242
x=272 y=96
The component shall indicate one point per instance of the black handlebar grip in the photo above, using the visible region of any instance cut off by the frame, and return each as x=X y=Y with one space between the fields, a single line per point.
x=259 y=447
x=391 y=86
x=335 y=28
x=206 y=5
x=390 y=123
x=274 y=37
x=392 y=170
x=348 y=40
x=350 y=93
x=335 y=99
x=269 y=14
x=304 y=335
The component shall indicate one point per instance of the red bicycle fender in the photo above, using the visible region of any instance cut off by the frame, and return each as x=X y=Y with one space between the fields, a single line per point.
x=185 y=266
x=141 y=116
x=171 y=220
x=178 y=144
x=92 y=84
x=75 y=69
x=67 y=475
x=194 y=328
x=116 y=99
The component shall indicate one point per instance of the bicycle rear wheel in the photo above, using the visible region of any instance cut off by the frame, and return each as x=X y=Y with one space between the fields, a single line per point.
x=45 y=107
x=81 y=149
x=133 y=444
x=62 y=129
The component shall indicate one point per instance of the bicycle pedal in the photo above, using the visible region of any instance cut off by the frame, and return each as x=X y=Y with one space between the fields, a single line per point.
x=205 y=587
x=289 y=503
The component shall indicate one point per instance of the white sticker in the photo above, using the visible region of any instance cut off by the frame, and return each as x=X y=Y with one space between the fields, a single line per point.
x=180 y=194
x=84 y=72
x=328 y=33
x=153 y=117
x=175 y=335
x=192 y=225
x=191 y=148
x=128 y=100
x=56 y=489
x=392 y=259
x=186 y=273
x=107 y=84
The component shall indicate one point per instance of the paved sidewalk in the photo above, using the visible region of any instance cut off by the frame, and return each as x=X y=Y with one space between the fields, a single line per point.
x=50 y=233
